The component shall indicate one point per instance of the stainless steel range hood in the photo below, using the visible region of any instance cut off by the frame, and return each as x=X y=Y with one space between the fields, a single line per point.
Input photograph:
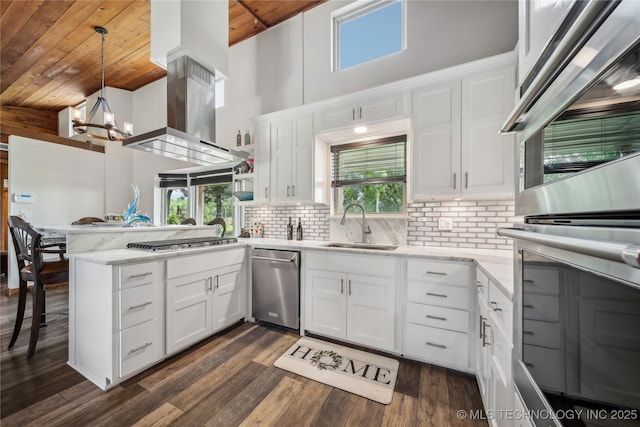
x=191 y=117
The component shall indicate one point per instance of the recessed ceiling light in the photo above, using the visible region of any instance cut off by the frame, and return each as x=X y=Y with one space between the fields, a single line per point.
x=360 y=129
x=627 y=84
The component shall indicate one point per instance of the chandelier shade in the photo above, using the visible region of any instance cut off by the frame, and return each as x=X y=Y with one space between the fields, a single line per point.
x=108 y=130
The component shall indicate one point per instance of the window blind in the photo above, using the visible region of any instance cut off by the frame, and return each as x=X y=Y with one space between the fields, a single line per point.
x=219 y=176
x=371 y=162
x=576 y=144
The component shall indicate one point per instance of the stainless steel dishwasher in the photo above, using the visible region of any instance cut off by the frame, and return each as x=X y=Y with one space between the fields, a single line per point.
x=275 y=286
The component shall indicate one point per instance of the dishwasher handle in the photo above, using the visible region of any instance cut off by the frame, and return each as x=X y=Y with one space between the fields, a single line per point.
x=292 y=259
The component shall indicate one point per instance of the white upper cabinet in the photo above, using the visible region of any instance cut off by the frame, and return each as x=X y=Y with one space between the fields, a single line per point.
x=436 y=146
x=292 y=159
x=487 y=156
x=365 y=111
x=538 y=20
x=457 y=150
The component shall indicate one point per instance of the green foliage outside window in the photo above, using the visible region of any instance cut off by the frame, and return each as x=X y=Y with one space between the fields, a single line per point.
x=218 y=202
x=178 y=206
x=375 y=198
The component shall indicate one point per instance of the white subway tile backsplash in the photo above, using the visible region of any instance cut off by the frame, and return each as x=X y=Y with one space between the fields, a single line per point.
x=474 y=223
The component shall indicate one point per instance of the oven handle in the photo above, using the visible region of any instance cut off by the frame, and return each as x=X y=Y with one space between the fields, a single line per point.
x=566 y=47
x=619 y=252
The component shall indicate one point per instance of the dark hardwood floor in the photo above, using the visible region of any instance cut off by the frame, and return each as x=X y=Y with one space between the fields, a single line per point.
x=227 y=380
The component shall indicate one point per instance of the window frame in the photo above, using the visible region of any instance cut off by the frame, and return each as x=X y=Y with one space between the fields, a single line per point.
x=353 y=11
x=336 y=190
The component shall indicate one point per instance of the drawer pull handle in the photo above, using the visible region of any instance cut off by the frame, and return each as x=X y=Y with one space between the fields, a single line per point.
x=432 y=344
x=527 y=305
x=529 y=365
x=528 y=281
x=142 y=347
x=137 y=276
x=144 y=304
x=437 y=273
x=436 y=295
x=527 y=333
x=435 y=317
x=341 y=286
x=349 y=287
x=478 y=283
x=481 y=328
x=494 y=306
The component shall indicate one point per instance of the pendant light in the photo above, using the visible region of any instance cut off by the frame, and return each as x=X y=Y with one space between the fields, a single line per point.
x=93 y=129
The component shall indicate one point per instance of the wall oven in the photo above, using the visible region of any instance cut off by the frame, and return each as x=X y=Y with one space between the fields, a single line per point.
x=577 y=268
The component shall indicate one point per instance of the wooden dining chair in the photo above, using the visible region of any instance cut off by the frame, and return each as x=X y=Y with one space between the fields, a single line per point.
x=219 y=224
x=87 y=220
x=188 y=221
x=29 y=248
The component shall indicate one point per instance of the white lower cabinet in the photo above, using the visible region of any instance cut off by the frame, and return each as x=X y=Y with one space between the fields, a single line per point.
x=204 y=295
x=438 y=312
x=351 y=297
x=493 y=351
x=116 y=319
x=125 y=318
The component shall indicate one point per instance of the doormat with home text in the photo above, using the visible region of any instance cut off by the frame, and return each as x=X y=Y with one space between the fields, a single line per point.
x=365 y=374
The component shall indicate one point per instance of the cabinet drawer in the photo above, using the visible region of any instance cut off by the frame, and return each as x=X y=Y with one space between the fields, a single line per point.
x=139 y=274
x=439 y=345
x=501 y=350
x=140 y=346
x=439 y=272
x=545 y=334
x=541 y=307
x=437 y=294
x=439 y=317
x=502 y=308
x=138 y=305
x=545 y=365
x=542 y=280
x=373 y=265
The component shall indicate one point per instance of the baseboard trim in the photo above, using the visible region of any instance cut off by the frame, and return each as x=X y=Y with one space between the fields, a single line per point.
x=15 y=291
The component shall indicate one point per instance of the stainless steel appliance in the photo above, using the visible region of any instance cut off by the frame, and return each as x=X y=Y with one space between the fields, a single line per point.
x=577 y=269
x=275 y=287
x=580 y=105
x=178 y=244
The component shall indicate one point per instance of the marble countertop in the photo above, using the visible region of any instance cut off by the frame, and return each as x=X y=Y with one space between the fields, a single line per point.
x=110 y=228
x=497 y=264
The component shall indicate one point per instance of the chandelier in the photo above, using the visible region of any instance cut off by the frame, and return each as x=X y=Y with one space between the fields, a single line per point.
x=109 y=125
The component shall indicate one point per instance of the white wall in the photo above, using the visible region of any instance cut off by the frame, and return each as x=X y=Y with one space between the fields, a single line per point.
x=68 y=182
x=290 y=64
x=440 y=34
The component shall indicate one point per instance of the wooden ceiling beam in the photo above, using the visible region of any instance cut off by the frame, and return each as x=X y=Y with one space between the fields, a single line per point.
x=253 y=14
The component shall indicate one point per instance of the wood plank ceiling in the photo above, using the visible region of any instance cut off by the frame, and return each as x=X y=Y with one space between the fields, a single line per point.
x=50 y=53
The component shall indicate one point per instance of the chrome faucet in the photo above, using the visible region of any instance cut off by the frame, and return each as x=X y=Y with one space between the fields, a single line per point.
x=365 y=228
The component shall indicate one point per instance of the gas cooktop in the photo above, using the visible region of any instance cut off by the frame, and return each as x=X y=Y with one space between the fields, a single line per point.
x=178 y=244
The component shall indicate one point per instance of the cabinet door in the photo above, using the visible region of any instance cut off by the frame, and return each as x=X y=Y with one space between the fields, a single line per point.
x=381 y=108
x=262 y=165
x=336 y=116
x=281 y=160
x=189 y=310
x=487 y=157
x=302 y=165
x=370 y=310
x=228 y=292
x=436 y=132
x=325 y=305
x=483 y=349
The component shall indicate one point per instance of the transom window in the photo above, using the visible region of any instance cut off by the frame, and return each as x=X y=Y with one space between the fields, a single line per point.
x=367 y=30
x=371 y=173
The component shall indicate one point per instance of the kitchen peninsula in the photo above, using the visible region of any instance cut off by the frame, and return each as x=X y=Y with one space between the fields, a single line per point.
x=90 y=238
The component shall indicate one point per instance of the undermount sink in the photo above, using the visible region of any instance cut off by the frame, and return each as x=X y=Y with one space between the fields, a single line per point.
x=362 y=246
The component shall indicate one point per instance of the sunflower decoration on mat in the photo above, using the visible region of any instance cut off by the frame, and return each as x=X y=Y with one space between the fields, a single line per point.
x=325 y=359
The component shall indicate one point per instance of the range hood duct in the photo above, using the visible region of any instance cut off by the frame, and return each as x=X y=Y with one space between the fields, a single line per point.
x=191 y=114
